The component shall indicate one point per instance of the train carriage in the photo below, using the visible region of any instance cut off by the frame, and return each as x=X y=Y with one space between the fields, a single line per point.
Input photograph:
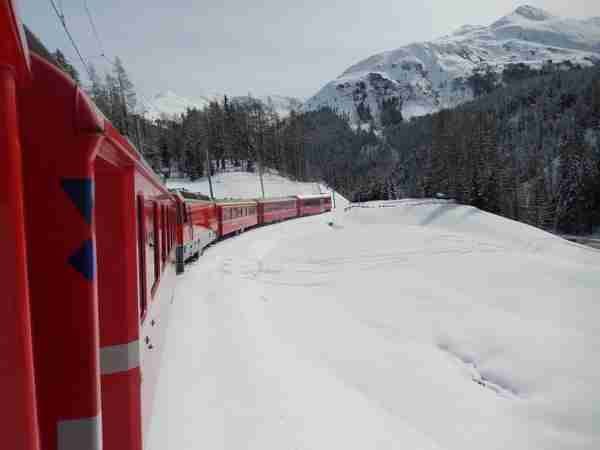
x=311 y=204
x=17 y=388
x=327 y=204
x=89 y=246
x=197 y=227
x=236 y=216
x=101 y=272
x=276 y=209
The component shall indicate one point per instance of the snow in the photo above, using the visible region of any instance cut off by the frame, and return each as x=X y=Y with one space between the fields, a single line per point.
x=416 y=324
x=422 y=75
x=168 y=104
x=247 y=185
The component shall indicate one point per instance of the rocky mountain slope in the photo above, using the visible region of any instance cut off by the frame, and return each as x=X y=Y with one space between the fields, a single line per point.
x=421 y=78
x=169 y=104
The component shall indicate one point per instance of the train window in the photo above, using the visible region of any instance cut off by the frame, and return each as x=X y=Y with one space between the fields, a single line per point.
x=156 y=246
x=172 y=227
x=168 y=230
x=168 y=213
x=151 y=244
x=142 y=236
x=163 y=232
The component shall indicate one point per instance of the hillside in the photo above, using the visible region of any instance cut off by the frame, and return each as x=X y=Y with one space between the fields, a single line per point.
x=418 y=325
x=425 y=77
x=529 y=151
x=247 y=185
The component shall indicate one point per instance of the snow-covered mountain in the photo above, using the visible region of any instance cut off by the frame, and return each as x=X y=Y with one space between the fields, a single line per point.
x=169 y=104
x=425 y=77
x=282 y=105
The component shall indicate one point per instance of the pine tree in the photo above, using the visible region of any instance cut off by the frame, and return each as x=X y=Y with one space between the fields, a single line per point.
x=65 y=65
x=98 y=92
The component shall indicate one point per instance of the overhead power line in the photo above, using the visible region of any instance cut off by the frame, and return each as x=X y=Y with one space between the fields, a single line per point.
x=94 y=28
x=63 y=22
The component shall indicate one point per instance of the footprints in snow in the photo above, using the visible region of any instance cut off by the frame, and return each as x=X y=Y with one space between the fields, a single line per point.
x=489 y=380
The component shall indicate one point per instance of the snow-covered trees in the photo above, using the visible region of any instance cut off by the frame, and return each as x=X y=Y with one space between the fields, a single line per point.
x=529 y=151
x=65 y=65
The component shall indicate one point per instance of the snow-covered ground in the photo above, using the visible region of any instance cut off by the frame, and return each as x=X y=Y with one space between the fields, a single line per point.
x=247 y=185
x=423 y=325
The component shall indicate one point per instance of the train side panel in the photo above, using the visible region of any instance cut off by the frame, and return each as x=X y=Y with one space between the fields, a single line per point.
x=197 y=228
x=203 y=223
x=270 y=211
x=313 y=204
x=236 y=217
x=116 y=249
x=101 y=269
x=58 y=150
x=17 y=385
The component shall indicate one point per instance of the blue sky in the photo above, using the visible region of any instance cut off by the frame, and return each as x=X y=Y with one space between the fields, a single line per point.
x=263 y=47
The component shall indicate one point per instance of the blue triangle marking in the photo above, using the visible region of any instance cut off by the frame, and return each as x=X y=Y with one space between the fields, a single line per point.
x=84 y=261
x=81 y=193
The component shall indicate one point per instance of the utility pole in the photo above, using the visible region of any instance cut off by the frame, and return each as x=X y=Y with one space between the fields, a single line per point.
x=209 y=169
x=260 y=175
x=260 y=164
x=261 y=135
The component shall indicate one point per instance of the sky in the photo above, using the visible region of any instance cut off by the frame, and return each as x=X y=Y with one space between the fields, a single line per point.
x=271 y=47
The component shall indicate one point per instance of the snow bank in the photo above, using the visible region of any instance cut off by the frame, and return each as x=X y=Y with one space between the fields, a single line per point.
x=247 y=185
x=418 y=325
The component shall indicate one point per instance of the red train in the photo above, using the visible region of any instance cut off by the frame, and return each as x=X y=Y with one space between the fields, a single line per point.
x=90 y=243
x=204 y=222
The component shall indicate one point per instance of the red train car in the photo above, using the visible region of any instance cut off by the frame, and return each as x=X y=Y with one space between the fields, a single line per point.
x=197 y=227
x=276 y=209
x=88 y=246
x=312 y=204
x=236 y=216
x=101 y=232
x=18 y=414
x=327 y=203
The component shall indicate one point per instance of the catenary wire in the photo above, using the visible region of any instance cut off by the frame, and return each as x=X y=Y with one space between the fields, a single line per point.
x=63 y=22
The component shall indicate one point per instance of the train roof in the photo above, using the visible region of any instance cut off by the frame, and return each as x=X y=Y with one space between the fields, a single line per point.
x=13 y=48
x=192 y=196
x=276 y=199
x=308 y=197
x=236 y=202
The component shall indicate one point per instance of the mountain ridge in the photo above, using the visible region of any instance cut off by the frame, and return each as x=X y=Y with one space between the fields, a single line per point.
x=424 y=77
x=168 y=104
